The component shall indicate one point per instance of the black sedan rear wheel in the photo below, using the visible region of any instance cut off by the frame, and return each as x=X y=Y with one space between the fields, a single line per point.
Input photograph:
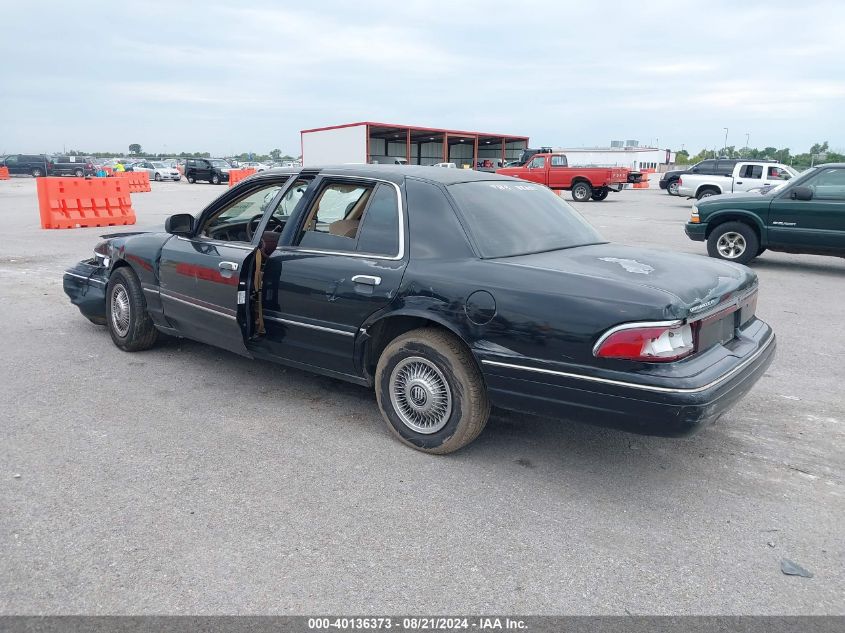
x=130 y=326
x=430 y=391
x=581 y=191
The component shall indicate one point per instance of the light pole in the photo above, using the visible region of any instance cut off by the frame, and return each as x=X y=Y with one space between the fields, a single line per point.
x=747 y=136
x=725 y=147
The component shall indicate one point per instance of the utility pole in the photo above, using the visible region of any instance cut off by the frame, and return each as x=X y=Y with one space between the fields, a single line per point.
x=747 y=136
x=725 y=147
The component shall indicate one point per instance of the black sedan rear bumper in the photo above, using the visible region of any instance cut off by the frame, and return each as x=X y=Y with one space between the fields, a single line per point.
x=672 y=408
x=85 y=284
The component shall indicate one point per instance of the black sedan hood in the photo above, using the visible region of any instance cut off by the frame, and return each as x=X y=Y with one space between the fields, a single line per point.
x=691 y=280
x=153 y=229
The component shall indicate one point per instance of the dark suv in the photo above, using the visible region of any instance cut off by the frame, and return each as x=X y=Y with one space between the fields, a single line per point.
x=213 y=170
x=803 y=215
x=709 y=167
x=32 y=164
x=78 y=166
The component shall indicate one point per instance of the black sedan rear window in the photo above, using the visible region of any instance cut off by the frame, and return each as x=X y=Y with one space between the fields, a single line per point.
x=514 y=218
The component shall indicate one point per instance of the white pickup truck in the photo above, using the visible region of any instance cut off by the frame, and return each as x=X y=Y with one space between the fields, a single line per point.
x=745 y=176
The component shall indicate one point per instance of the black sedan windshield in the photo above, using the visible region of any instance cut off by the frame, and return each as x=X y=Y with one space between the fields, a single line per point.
x=514 y=218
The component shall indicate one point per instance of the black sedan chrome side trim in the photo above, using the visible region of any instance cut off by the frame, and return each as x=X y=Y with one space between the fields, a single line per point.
x=307 y=325
x=89 y=279
x=634 y=385
x=166 y=294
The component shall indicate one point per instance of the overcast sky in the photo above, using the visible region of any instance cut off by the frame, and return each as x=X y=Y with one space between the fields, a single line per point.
x=236 y=76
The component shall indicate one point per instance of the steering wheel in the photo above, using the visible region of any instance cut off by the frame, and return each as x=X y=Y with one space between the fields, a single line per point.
x=273 y=224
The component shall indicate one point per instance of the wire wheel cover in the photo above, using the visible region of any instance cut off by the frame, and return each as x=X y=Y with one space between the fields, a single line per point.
x=420 y=395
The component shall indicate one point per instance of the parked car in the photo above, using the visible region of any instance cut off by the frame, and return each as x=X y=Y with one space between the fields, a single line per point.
x=158 y=170
x=448 y=291
x=803 y=215
x=254 y=165
x=744 y=176
x=213 y=170
x=78 y=166
x=709 y=167
x=585 y=183
x=388 y=160
x=446 y=165
x=32 y=164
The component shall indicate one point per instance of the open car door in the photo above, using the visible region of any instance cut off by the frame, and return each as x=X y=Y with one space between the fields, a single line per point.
x=204 y=286
x=208 y=278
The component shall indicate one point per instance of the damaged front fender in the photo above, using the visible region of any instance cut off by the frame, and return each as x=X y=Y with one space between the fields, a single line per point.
x=85 y=284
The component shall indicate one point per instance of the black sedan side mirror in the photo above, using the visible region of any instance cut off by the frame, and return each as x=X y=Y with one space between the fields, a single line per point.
x=801 y=193
x=179 y=224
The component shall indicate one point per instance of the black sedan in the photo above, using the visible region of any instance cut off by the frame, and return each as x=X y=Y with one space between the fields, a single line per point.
x=446 y=290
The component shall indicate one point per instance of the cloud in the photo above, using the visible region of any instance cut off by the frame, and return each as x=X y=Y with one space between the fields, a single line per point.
x=564 y=74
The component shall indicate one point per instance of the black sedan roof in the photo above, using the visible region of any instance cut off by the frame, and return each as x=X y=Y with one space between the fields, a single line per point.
x=396 y=173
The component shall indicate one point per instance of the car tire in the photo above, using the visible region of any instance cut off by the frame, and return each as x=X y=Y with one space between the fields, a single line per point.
x=706 y=192
x=191 y=178
x=215 y=179
x=430 y=391
x=672 y=187
x=79 y=173
x=601 y=194
x=129 y=324
x=158 y=177
x=734 y=242
x=37 y=173
x=581 y=191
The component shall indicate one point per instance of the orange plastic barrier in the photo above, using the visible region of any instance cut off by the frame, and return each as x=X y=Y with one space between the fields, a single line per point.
x=65 y=203
x=236 y=175
x=139 y=181
x=4 y=173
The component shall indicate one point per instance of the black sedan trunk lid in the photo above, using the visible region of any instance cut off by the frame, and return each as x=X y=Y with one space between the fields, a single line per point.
x=696 y=283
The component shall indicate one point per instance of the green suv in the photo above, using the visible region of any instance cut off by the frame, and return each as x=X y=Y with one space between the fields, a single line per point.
x=804 y=215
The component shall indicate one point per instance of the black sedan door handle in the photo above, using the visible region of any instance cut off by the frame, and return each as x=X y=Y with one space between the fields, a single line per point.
x=368 y=280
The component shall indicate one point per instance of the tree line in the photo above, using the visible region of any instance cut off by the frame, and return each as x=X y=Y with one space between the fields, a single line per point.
x=819 y=153
x=136 y=151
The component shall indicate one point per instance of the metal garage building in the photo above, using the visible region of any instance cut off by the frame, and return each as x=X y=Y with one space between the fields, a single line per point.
x=368 y=142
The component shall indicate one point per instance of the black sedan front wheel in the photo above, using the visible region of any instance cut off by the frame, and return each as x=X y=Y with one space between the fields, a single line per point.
x=430 y=391
x=130 y=326
x=600 y=194
x=672 y=188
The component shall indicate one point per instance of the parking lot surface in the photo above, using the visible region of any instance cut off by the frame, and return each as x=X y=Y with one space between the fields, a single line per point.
x=190 y=480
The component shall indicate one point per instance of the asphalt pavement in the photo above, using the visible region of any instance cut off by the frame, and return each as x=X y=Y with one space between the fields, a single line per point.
x=186 y=479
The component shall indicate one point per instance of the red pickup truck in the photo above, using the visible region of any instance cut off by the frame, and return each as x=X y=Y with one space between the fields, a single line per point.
x=552 y=170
